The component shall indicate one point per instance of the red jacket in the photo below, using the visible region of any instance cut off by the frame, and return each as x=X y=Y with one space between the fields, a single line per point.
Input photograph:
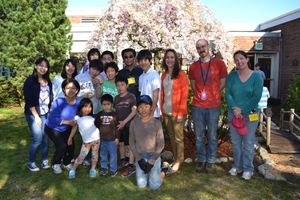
x=180 y=92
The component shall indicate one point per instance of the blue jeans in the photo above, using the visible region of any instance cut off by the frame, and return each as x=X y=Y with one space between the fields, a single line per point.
x=153 y=177
x=108 y=148
x=206 y=119
x=243 y=146
x=39 y=137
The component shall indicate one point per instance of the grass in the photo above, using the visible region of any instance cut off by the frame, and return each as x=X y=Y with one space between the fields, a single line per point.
x=16 y=182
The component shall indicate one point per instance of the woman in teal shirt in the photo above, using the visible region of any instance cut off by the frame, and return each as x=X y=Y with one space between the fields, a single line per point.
x=243 y=92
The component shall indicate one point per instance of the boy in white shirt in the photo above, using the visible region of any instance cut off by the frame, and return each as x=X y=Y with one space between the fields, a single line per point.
x=90 y=83
x=149 y=81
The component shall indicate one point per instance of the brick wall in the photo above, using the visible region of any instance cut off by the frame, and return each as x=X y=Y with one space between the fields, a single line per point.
x=75 y=19
x=246 y=43
x=290 y=54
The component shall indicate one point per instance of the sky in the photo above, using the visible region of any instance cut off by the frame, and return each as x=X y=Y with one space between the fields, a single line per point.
x=234 y=14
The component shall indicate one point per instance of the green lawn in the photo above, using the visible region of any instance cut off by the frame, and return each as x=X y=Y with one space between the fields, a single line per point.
x=16 y=182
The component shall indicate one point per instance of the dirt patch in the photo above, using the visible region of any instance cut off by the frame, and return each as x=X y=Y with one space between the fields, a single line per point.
x=224 y=147
x=288 y=165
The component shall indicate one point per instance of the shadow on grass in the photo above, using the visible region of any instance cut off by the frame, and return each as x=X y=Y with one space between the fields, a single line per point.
x=16 y=182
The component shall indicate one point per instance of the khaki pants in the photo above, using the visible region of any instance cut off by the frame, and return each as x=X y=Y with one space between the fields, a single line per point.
x=175 y=130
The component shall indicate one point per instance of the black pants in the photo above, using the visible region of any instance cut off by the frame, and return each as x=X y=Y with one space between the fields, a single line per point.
x=63 y=152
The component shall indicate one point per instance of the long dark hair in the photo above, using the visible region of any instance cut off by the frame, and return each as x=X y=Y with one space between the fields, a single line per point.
x=84 y=102
x=46 y=75
x=176 y=69
x=64 y=73
x=93 y=51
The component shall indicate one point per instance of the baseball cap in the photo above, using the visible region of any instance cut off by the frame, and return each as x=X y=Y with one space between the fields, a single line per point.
x=240 y=125
x=144 y=99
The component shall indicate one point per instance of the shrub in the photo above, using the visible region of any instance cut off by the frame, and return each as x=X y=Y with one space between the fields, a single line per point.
x=293 y=98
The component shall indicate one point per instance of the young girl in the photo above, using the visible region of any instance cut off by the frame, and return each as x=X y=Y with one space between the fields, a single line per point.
x=90 y=136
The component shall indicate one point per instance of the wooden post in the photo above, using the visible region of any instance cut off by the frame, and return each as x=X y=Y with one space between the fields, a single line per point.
x=268 y=131
x=261 y=120
x=292 y=120
x=281 y=118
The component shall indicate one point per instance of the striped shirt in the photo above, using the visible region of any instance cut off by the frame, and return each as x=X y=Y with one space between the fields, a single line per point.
x=263 y=102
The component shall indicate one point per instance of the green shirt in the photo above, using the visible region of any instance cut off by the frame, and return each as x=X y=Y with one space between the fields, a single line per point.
x=244 y=95
x=109 y=88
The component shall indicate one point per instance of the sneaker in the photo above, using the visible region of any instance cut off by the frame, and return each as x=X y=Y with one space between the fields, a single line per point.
x=32 y=167
x=103 y=172
x=209 y=168
x=113 y=174
x=45 y=164
x=234 y=171
x=129 y=171
x=247 y=175
x=200 y=167
x=166 y=168
x=57 y=169
x=68 y=167
x=72 y=174
x=92 y=173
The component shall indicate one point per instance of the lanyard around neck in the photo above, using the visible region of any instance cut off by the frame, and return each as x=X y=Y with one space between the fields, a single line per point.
x=206 y=75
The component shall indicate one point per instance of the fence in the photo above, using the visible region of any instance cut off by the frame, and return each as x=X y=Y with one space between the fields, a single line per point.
x=291 y=121
x=265 y=120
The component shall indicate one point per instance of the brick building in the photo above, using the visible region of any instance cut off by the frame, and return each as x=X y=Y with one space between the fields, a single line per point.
x=289 y=47
x=83 y=22
x=275 y=44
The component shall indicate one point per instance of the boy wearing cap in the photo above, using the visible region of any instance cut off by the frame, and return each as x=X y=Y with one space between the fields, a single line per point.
x=146 y=141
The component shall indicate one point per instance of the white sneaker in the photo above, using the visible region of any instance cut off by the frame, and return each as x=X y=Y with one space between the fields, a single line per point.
x=45 y=164
x=247 y=175
x=57 y=169
x=68 y=167
x=234 y=171
x=32 y=167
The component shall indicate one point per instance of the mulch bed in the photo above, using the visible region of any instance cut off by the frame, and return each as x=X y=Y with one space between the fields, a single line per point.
x=224 y=147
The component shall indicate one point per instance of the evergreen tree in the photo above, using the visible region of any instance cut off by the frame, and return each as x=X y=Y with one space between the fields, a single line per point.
x=29 y=29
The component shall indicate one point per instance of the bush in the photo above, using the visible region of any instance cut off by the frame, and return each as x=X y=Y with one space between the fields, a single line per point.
x=293 y=99
x=223 y=129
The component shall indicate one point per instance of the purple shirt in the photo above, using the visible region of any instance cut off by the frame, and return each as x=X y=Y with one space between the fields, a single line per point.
x=61 y=110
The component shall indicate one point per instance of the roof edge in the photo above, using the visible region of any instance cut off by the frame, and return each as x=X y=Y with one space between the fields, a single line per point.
x=287 y=17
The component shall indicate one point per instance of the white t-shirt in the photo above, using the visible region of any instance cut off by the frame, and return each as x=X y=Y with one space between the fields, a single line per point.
x=86 y=86
x=148 y=82
x=44 y=99
x=88 y=131
x=56 y=87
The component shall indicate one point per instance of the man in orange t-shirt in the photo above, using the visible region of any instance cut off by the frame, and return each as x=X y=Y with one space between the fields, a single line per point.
x=207 y=76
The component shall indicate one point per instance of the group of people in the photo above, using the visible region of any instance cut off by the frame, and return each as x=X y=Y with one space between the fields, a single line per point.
x=119 y=112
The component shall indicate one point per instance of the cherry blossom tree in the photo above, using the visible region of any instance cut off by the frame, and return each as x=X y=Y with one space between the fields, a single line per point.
x=160 y=24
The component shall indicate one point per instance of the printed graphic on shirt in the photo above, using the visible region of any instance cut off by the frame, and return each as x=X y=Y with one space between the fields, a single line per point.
x=86 y=85
x=106 y=120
